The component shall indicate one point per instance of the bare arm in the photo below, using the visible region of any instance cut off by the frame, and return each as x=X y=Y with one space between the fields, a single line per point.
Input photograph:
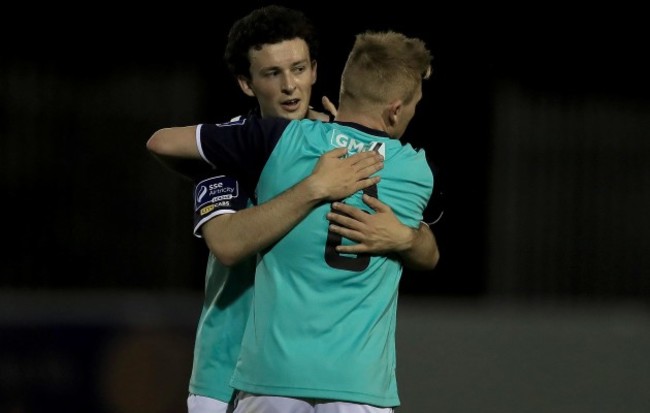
x=234 y=236
x=382 y=232
x=176 y=149
x=231 y=237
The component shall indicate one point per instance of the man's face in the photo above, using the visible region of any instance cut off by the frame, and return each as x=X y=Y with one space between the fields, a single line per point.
x=282 y=75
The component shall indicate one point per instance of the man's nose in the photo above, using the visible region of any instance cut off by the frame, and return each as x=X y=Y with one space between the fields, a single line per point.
x=288 y=83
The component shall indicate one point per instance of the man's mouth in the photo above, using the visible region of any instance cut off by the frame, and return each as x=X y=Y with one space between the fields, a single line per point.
x=291 y=104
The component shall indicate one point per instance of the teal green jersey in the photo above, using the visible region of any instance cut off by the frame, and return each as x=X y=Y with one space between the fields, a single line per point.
x=226 y=305
x=322 y=324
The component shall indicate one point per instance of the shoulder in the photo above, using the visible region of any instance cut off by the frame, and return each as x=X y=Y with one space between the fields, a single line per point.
x=415 y=154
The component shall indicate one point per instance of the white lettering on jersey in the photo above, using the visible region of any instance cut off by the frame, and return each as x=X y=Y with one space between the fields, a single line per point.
x=342 y=140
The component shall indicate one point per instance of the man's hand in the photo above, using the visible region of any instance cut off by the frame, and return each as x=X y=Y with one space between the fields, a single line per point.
x=325 y=117
x=329 y=106
x=316 y=115
x=335 y=177
x=376 y=233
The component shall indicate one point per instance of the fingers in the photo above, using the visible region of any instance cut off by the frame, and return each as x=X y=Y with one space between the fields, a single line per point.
x=360 y=159
x=336 y=153
x=365 y=156
x=375 y=204
x=371 y=169
x=341 y=219
x=353 y=236
x=352 y=249
x=363 y=167
x=316 y=115
x=346 y=232
x=365 y=183
x=343 y=212
x=329 y=106
x=367 y=162
x=350 y=227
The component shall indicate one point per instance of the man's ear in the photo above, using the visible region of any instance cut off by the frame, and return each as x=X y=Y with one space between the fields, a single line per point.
x=394 y=111
x=314 y=66
x=245 y=85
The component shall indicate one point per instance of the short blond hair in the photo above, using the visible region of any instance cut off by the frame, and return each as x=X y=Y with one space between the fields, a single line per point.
x=384 y=66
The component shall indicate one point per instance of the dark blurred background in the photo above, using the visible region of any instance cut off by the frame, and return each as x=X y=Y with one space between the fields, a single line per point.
x=539 y=119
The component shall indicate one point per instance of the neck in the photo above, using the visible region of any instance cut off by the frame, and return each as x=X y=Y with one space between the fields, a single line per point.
x=363 y=119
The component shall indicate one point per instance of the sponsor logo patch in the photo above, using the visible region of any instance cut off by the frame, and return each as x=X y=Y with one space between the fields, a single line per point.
x=215 y=191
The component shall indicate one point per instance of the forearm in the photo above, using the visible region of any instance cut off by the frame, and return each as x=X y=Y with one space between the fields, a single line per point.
x=233 y=237
x=239 y=235
x=421 y=252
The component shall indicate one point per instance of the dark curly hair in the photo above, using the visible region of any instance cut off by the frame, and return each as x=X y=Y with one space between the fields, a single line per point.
x=266 y=25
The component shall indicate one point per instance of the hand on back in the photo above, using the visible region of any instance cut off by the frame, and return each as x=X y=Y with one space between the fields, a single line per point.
x=336 y=177
x=375 y=233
